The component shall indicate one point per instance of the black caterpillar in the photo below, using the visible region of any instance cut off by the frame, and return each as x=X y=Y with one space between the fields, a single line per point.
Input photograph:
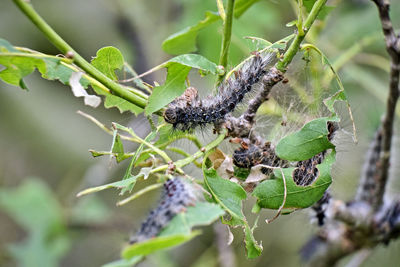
x=176 y=196
x=189 y=111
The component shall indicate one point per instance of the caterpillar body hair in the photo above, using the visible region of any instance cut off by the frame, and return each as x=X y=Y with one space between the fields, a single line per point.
x=320 y=208
x=307 y=171
x=189 y=111
x=175 y=197
x=252 y=154
x=249 y=155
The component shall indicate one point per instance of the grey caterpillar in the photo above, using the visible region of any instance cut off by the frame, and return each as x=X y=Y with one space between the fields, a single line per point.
x=189 y=111
x=306 y=171
x=249 y=155
x=175 y=197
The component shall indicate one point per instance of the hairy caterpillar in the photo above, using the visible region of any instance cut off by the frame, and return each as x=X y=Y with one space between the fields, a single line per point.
x=249 y=155
x=252 y=154
x=189 y=111
x=175 y=197
x=307 y=171
x=320 y=208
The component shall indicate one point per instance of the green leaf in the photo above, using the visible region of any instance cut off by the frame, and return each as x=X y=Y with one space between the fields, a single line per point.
x=194 y=61
x=20 y=64
x=241 y=6
x=17 y=67
x=229 y=196
x=107 y=60
x=177 y=71
x=241 y=173
x=252 y=248
x=112 y=101
x=119 y=184
x=124 y=262
x=173 y=87
x=226 y=193
x=55 y=70
x=270 y=193
x=307 y=142
x=203 y=213
x=184 y=41
x=117 y=147
x=152 y=245
x=178 y=230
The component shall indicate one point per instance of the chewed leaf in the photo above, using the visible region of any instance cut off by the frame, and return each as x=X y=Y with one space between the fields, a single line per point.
x=229 y=196
x=307 y=142
x=270 y=193
x=184 y=41
x=112 y=101
x=119 y=184
x=203 y=213
x=252 y=247
x=17 y=67
x=159 y=243
x=117 y=147
x=178 y=230
x=107 y=60
x=226 y=193
x=20 y=64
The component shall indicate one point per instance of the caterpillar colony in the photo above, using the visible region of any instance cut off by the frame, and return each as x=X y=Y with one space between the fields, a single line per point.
x=188 y=112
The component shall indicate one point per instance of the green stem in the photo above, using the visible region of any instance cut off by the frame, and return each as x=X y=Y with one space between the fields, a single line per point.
x=132 y=96
x=295 y=45
x=139 y=193
x=226 y=39
x=183 y=162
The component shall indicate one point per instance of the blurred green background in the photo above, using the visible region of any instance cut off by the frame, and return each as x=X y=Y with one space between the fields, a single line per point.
x=44 y=159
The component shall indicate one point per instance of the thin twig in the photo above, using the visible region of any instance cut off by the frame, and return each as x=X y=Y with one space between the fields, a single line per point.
x=284 y=199
x=139 y=193
x=393 y=48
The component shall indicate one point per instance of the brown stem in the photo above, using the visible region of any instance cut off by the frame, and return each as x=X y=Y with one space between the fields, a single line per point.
x=393 y=48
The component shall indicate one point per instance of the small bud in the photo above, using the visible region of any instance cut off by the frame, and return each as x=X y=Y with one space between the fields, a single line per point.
x=70 y=55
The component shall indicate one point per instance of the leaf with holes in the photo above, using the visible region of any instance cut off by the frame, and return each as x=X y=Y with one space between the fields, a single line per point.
x=307 y=142
x=229 y=196
x=178 y=230
x=270 y=193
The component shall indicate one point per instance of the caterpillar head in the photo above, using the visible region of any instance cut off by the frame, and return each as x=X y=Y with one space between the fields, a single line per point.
x=170 y=116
